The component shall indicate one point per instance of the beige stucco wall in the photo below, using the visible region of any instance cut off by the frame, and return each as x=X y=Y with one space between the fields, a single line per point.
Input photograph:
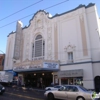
x=9 y=52
x=92 y=20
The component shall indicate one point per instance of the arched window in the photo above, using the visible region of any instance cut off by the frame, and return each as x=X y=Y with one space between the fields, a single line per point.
x=38 y=47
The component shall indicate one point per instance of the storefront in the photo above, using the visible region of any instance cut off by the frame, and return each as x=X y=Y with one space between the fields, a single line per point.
x=38 y=78
x=36 y=74
x=71 y=77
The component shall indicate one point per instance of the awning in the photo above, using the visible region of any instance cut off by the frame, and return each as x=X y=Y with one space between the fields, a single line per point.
x=11 y=71
x=34 y=70
x=71 y=73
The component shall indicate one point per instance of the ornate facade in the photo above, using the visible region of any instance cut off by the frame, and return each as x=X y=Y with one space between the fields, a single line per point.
x=66 y=42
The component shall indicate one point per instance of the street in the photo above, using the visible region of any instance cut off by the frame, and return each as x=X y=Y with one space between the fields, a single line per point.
x=22 y=94
x=16 y=93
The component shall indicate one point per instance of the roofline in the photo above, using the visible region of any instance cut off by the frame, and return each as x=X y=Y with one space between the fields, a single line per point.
x=56 y=15
x=11 y=33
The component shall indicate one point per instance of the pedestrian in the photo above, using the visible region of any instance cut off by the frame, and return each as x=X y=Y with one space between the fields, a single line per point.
x=37 y=84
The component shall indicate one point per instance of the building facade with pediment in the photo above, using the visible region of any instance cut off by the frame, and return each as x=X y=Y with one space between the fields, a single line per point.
x=63 y=49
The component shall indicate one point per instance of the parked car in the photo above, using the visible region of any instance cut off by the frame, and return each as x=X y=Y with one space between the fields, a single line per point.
x=71 y=92
x=2 y=89
x=56 y=87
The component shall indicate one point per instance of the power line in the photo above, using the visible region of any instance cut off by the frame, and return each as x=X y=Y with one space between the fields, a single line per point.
x=21 y=10
x=56 y=4
x=1 y=51
x=33 y=13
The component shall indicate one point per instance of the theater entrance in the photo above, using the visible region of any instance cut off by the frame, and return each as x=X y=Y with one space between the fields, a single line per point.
x=39 y=80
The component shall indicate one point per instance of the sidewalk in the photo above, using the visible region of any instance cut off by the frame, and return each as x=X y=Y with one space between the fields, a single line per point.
x=28 y=88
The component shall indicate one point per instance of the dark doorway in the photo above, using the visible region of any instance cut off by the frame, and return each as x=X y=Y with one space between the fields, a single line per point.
x=97 y=83
x=37 y=79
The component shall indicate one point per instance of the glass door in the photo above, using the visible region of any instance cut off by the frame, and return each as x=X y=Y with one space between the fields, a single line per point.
x=70 y=81
x=64 y=81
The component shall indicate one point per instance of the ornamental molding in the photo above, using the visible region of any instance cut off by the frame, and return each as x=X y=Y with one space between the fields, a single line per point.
x=49 y=42
x=69 y=48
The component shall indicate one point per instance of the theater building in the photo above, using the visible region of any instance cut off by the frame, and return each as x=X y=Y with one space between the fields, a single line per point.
x=63 y=49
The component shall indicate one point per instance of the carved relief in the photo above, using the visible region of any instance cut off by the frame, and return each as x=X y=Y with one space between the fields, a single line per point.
x=49 y=42
x=39 y=21
x=17 y=45
x=70 y=48
x=27 y=47
x=56 y=42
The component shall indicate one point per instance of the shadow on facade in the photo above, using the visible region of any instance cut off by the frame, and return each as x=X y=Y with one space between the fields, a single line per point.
x=97 y=83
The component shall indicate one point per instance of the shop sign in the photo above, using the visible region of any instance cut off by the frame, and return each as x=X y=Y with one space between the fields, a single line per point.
x=50 y=65
x=71 y=73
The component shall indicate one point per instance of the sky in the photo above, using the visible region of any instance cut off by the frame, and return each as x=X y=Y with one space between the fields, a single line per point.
x=9 y=7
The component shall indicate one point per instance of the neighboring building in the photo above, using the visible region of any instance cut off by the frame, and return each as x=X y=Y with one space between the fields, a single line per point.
x=64 y=48
x=2 y=57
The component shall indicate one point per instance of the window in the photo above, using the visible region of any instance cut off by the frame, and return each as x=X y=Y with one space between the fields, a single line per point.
x=75 y=89
x=63 y=88
x=70 y=56
x=38 y=47
x=71 y=89
x=57 y=86
x=83 y=88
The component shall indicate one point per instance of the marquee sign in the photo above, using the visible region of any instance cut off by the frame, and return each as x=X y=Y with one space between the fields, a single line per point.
x=51 y=65
x=22 y=68
x=42 y=65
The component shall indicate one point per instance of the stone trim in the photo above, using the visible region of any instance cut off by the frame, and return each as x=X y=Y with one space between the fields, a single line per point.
x=80 y=63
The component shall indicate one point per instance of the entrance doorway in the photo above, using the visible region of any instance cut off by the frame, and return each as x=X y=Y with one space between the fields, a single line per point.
x=97 y=83
x=38 y=80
